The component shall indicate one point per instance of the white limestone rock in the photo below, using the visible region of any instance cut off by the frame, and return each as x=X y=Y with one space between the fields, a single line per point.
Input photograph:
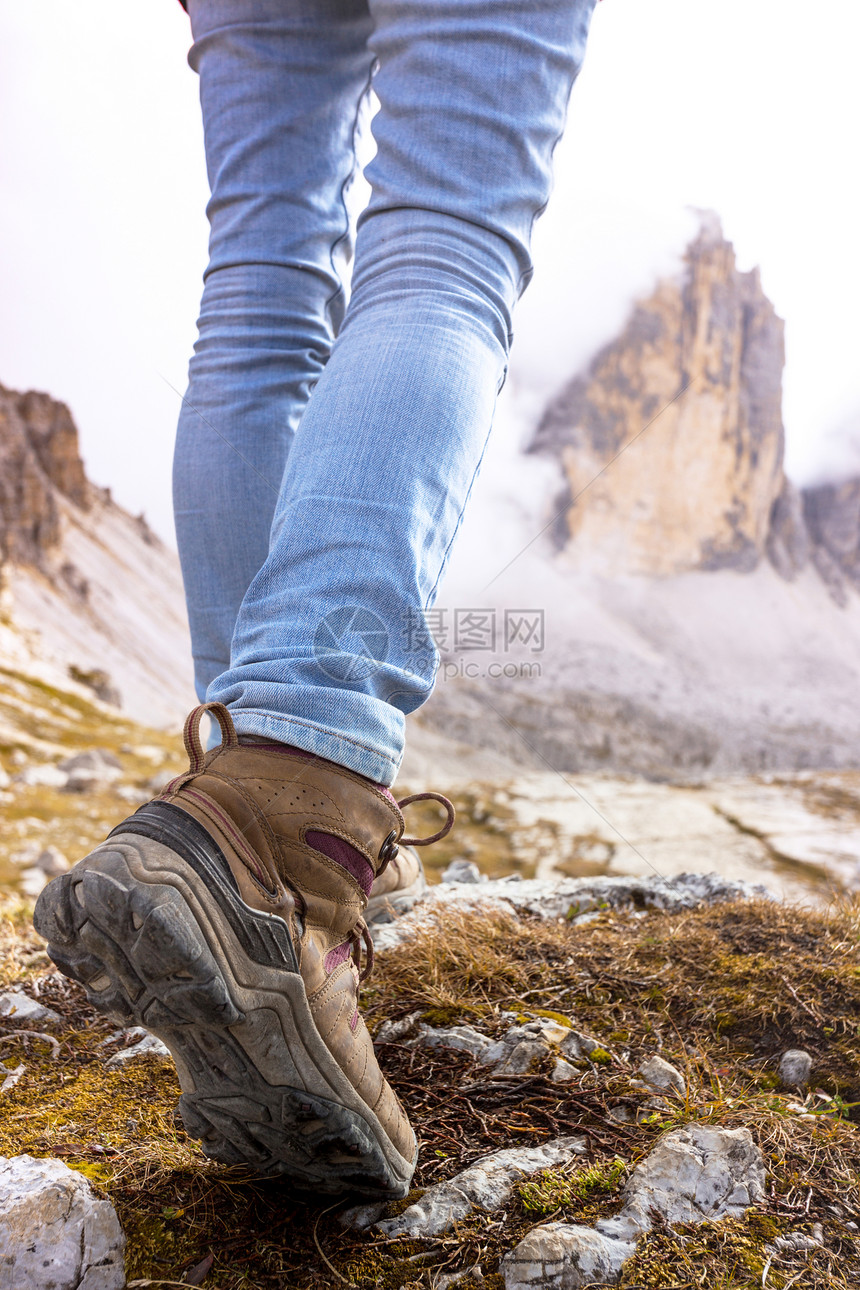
x=11 y=1076
x=391 y=1031
x=517 y=1052
x=464 y=1038
x=134 y=796
x=91 y=771
x=661 y=1076
x=32 y=882
x=564 y=1256
x=146 y=752
x=44 y=776
x=522 y=1047
x=564 y=898
x=50 y=860
x=798 y=1242
x=795 y=1068
x=486 y=1185
x=55 y=1234
x=578 y=1047
x=562 y=1072
x=18 y=1006
x=360 y=1217
x=693 y=1174
x=450 y=1280
x=148 y=1046
x=463 y=871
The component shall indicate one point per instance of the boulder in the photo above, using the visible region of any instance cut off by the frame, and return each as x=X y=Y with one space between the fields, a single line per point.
x=55 y=1233
x=485 y=1185
x=564 y=1256
x=18 y=1006
x=693 y=1174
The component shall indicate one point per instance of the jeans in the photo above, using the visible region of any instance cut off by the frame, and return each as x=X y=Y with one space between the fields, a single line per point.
x=325 y=450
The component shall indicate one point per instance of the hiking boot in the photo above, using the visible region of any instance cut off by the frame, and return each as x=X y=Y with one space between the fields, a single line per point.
x=225 y=916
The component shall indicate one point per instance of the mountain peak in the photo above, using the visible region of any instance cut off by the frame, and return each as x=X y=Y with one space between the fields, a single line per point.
x=672 y=442
x=39 y=459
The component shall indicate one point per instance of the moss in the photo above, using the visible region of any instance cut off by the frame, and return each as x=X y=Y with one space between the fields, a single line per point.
x=600 y=1057
x=397 y=1207
x=444 y=1016
x=555 y=1189
x=734 y=1254
x=156 y=1244
x=100 y=1175
x=395 y=1268
x=553 y=1016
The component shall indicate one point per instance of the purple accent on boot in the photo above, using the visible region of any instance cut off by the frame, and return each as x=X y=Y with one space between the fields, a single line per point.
x=344 y=854
x=335 y=957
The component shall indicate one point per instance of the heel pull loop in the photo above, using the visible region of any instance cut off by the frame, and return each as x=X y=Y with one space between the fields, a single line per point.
x=446 y=828
x=191 y=732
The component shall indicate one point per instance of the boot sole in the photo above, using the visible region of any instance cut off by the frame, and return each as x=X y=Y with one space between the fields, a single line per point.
x=217 y=981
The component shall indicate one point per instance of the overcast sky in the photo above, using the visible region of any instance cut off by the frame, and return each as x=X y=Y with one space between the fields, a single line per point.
x=748 y=107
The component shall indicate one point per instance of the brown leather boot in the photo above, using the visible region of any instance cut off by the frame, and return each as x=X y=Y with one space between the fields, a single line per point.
x=226 y=917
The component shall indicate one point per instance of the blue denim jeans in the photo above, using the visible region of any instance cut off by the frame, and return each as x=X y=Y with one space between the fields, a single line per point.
x=325 y=450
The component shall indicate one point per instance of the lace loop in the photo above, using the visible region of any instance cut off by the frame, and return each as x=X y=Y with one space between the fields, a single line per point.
x=446 y=828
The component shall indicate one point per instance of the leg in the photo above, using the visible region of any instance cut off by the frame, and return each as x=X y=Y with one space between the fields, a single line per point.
x=227 y=914
x=328 y=652
x=280 y=88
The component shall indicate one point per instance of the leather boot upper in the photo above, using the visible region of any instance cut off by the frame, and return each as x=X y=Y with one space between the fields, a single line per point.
x=266 y=806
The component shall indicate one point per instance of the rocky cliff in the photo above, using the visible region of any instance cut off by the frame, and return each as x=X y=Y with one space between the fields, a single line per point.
x=671 y=444
x=39 y=463
x=91 y=596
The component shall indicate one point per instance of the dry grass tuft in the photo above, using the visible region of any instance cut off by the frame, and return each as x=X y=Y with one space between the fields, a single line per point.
x=719 y=991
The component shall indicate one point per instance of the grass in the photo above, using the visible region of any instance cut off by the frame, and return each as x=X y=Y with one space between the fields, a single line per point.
x=40 y=723
x=719 y=991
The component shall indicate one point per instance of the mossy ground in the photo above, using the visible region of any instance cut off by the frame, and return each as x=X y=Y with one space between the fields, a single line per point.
x=719 y=991
x=40 y=723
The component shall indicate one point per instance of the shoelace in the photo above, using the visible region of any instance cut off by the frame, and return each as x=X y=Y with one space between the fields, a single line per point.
x=447 y=826
x=361 y=932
